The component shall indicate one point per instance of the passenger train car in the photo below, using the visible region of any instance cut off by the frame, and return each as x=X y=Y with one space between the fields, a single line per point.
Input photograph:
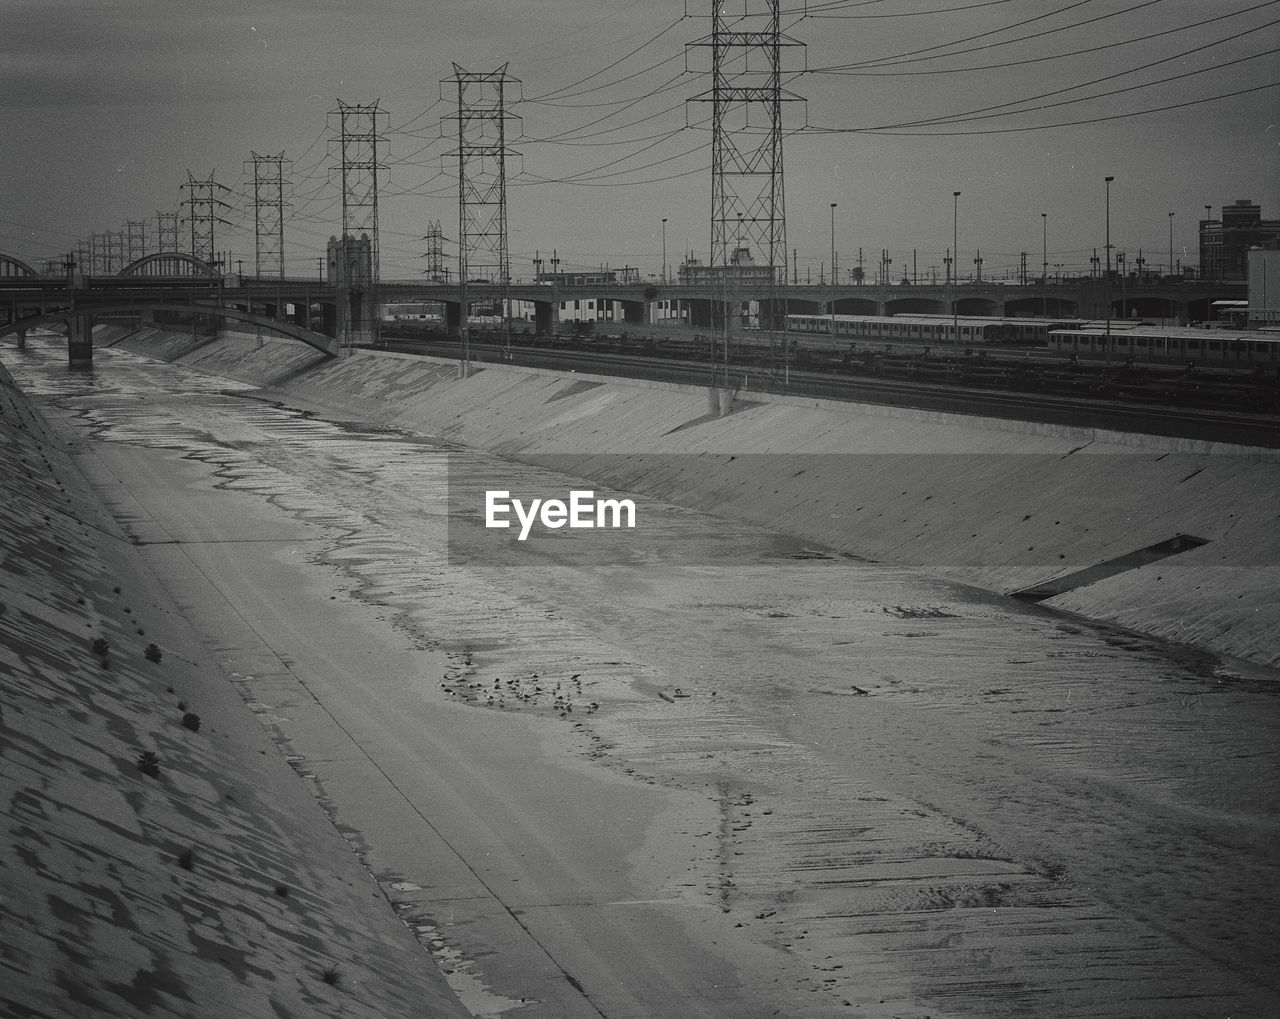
x=943 y=329
x=1170 y=343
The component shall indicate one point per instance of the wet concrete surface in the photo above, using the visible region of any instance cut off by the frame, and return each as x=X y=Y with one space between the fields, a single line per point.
x=720 y=774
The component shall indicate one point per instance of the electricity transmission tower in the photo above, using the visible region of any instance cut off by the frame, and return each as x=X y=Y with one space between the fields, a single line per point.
x=136 y=240
x=268 y=215
x=106 y=250
x=748 y=209
x=202 y=205
x=167 y=231
x=434 y=255
x=97 y=254
x=482 y=185
x=354 y=258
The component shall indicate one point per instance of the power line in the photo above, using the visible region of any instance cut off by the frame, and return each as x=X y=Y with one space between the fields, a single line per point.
x=1045 y=127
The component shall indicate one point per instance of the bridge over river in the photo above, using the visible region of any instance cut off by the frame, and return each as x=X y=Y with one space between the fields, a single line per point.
x=325 y=314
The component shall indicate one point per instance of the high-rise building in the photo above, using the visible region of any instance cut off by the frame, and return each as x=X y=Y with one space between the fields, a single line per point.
x=1225 y=242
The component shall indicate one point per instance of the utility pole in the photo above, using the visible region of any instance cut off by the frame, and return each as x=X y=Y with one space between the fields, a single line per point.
x=357 y=251
x=955 y=241
x=482 y=188
x=268 y=215
x=1106 y=286
x=746 y=151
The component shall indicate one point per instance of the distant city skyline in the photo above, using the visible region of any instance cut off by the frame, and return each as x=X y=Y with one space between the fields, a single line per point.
x=109 y=107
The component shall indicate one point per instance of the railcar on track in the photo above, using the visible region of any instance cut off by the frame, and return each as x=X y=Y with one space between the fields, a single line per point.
x=1179 y=345
x=957 y=330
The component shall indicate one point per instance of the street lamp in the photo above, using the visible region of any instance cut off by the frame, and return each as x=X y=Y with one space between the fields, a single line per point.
x=664 y=249
x=833 y=267
x=1205 y=270
x=1171 y=245
x=833 y=241
x=1044 y=260
x=955 y=253
x=1107 y=284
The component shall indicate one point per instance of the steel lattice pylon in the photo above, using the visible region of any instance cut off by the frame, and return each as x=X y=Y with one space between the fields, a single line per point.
x=202 y=213
x=748 y=208
x=136 y=240
x=434 y=255
x=357 y=262
x=166 y=231
x=268 y=215
x=482 y=183
x=482 y=171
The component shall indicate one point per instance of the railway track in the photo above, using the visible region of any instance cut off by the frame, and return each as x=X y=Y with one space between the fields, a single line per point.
x=1239 y=428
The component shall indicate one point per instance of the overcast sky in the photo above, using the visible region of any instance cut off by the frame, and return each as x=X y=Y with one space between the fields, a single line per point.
x=108 y=103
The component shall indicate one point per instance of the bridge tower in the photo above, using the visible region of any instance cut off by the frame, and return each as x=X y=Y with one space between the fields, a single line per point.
x=748 y=206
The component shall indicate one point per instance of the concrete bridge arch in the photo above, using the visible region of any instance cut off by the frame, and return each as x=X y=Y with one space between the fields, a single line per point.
x=79 y=322
x=915 y=306
x=14 y=268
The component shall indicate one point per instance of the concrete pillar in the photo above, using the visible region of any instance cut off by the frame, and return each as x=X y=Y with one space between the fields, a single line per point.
x=700 y=315
x=80 y=341
x=22 y=339
x=546 y=317
x=1093 y=299
x=719 y=400
x=329 y=319
x=453 y=319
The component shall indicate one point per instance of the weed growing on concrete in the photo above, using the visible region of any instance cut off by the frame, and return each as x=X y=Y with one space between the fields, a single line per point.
x=192 y=721
x=187 y=859
x=332 y=976
x=149 y=763
x=101 y=646
x=153 y=653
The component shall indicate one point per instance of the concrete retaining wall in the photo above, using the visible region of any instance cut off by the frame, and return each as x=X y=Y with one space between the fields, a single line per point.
x=998 y=504
x=215 y=886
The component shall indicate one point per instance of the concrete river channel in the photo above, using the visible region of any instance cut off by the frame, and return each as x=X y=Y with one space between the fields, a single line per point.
x=715 y=772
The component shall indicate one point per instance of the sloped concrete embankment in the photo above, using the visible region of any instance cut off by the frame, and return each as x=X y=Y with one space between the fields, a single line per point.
x=1001 y=505
x=159 y=856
